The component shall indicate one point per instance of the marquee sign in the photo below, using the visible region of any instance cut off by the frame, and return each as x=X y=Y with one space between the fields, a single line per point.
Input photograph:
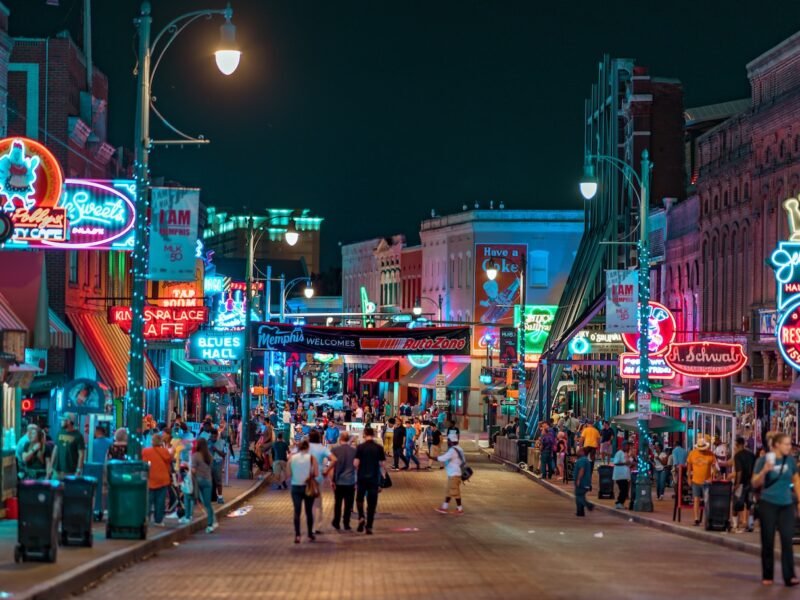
x=160 y=322
x=789 y=335
x=661 y=325
x=216 y=345
x=706 y=359
x=629 y=366
x=388 y=341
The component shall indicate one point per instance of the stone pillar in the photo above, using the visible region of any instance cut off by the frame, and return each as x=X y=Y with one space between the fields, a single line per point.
x=765 y=358
x=779 y=362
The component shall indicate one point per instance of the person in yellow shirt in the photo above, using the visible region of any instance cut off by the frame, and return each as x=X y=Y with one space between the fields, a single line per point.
x=701 y=464
x=590 y=440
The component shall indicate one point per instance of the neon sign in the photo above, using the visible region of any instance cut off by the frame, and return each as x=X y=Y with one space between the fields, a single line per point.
x=325 y=358
x=420 y=361
x=661 y=329
x=786 y=257
x=216 y=345
x=630 y=365
x=30 y=176
x=706 y=359
x=789 y=335
x=162 y=323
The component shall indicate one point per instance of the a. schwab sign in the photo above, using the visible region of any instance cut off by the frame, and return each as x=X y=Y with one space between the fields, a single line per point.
x=398 y=341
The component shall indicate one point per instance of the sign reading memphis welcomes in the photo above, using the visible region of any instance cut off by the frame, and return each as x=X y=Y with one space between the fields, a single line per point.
x=389 y=341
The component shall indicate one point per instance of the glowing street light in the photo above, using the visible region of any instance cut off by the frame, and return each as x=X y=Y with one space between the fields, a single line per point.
x=292 y=235
x=228 y=54
x=309 y=291
x=588 y=183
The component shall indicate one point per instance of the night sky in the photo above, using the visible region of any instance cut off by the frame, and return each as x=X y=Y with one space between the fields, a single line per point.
x=372 y=113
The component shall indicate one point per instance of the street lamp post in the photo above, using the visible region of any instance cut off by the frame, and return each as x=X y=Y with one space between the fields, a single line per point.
x=644 y=494
x=227 y=57
x=417 y=310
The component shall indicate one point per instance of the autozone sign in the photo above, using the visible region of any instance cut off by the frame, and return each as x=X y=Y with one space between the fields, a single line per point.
x=284 y=337
x=706 y=359
x=161 y=322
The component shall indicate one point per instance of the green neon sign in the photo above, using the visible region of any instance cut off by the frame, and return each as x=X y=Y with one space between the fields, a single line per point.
x=539 y=319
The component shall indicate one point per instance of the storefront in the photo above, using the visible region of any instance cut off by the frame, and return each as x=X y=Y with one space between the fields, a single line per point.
x=381 y=380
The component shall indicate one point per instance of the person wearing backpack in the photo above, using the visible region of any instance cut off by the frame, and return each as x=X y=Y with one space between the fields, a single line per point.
x=454 y=462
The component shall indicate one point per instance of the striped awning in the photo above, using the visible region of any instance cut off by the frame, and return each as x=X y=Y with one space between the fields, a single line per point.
x=386 y=369
x=60 y=333
x=9 y=321
x=109 y=348
x=182 y=373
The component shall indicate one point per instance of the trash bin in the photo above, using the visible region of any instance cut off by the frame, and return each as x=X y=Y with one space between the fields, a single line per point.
x=522 y=450
x=494 y=431
x=39 y=518
x=606 y=482
x=76 y=510
x=98 y=471
x=127 y=499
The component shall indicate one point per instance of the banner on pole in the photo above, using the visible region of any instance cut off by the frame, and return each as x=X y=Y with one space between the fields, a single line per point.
x=622 y=292
x=173 y=233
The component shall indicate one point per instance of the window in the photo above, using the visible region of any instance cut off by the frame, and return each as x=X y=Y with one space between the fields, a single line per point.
x=746 y=191
x=73 y=266
x=96 y=269
x=736 y=195
x=539 y=268
x=85 y=268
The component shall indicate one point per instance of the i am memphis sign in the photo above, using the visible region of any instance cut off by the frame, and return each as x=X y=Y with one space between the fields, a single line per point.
x=389 y=341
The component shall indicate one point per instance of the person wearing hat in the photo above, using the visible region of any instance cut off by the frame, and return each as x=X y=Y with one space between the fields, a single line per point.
x=452 y=459
x=68 y=456
x=701 y=465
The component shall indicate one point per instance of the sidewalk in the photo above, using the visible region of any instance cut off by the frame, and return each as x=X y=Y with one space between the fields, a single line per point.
x=660 y=518
x=76 y=567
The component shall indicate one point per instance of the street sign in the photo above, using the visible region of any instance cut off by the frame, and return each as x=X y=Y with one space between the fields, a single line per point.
x=508 y=401
x=441 y=404
x=441 y=388
x=644 y=404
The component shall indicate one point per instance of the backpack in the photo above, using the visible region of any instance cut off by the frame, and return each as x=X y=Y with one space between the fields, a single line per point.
x=466 y=470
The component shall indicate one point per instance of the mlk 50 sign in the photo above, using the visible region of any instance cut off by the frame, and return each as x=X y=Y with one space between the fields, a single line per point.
x=50 y=213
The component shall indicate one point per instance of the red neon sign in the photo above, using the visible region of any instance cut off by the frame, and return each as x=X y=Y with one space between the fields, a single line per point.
x=629 y=366
x=162 y=322
x=706 y=359
x=662 y=331
x=27 y=405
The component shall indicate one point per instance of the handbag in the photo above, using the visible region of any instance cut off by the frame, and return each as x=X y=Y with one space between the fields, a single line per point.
x=312 y=486
x=386 y=481
x=466 y=470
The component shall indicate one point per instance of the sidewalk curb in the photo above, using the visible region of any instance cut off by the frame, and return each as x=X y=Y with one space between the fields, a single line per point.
x=79 y=578
x=694 y=534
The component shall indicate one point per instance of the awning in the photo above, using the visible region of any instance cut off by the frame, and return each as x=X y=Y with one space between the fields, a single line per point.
x=678 y=396
x=60 y=333
x=109 y=348
x=419 y=377
x=9 y=321
x=182 y=373
x=386 y=369
x=21 y=375
x=657 y=423
x=457 y=376
x=774 y=390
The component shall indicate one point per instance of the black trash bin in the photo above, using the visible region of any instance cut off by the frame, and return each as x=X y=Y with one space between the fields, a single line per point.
x=98 y=471
x=522 y=451
x=606 y=482
x=77 y=511
x=717 y=508
x=39 y=518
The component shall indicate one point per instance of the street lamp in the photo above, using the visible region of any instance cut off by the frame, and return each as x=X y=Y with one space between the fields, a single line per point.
x=491 y=271
x=308 y=292
x=292 y=235
x=143 y=143
x=588 y=187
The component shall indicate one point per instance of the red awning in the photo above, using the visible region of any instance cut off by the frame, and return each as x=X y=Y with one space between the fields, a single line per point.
x=9 y=321
x=386 y=369
x=109 y=348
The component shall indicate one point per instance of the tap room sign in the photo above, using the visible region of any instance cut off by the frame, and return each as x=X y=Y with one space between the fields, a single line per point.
x=386 y=341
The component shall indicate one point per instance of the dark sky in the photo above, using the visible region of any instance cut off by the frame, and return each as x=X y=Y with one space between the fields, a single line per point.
x=372 y=113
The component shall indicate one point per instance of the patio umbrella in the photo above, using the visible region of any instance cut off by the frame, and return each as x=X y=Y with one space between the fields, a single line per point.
x=658 y=423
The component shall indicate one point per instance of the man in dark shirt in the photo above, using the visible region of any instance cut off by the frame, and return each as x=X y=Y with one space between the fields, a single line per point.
x=743 y=463
x=583 y=482
x=68 y=456
x=606 y=443
x=343 y=480
x=547 y=447
x=398 y=441
x=369 y=463
x=280 y=457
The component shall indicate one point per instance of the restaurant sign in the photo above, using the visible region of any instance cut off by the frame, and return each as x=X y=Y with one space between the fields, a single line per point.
x=161 y=322
x=388 y=341
x=706 y=359
x=789 y=335
x=629 y=366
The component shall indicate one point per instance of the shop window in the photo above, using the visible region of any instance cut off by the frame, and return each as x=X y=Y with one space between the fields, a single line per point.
x=539 y=268
x=73 y=266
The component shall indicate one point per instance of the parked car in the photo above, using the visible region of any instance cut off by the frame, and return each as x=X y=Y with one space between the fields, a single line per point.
x=315 y=399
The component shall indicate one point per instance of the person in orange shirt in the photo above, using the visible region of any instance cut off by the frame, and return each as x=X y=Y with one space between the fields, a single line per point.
x=590 y=440
x=701 y=464
x=159 y=478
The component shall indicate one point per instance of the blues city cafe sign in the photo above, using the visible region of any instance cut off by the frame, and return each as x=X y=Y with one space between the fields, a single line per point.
x=389 y=341
x=48 y=212
x=216 y=345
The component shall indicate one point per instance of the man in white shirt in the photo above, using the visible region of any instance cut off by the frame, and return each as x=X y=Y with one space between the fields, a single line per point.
x=452 y=459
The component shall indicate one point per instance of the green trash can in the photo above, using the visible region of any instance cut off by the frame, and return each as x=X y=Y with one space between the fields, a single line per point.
x=128 y=499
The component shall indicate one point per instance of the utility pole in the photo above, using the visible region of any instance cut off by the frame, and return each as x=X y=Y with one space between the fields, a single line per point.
x=245 y=466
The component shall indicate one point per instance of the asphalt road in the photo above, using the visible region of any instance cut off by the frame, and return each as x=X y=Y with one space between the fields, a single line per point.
x=516 y=540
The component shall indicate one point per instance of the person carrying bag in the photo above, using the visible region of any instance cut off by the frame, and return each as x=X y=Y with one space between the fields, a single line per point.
x=303 y=471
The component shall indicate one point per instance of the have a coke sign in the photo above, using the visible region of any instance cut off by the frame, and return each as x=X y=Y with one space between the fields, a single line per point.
x=160 y=322
x=706 y=359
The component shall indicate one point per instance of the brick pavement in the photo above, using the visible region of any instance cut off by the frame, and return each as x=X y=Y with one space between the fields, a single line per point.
x=517 y=540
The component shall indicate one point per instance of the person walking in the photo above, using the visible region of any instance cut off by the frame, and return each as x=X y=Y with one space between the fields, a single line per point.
x=201 y=474
x=701 y=464
x=743 y=463
x=280 y=458
x=320 y=454
x=411 y=446
x=776 y=477
x=590 y=440
x=69 y=452
x=622 y=474
x=159 y=477
x=388 y=436
x=547 y=446
x=660 y=459
x=343 y=481
x=583 y=482
x=302 y=467
x=606 y=442
x=332 y=434
x=370 y=464
x=217 y=447
x=453 y=459
x=398 y=441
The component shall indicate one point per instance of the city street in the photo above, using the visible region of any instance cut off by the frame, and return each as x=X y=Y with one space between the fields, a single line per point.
x=517 y=540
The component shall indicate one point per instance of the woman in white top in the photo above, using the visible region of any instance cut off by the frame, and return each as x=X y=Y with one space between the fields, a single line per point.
x=302 y=467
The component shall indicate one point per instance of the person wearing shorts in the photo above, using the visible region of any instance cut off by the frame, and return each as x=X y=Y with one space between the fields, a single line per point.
x=452 y=459
x=606 y=445
x=701 y=465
